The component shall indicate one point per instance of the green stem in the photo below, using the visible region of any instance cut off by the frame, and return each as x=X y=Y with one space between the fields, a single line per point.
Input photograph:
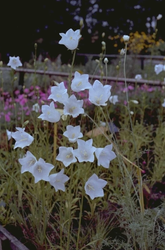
x=61 y=228
x=80 y=217
x=71 y=71
x=131 y=124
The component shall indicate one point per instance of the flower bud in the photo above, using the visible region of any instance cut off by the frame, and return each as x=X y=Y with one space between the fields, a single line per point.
x=81 y=22
x=122 y=52
x=126 y=38
x=105 y=60
x=134 y=101
x=25 y=123
x=103 y=34
x=159 y=16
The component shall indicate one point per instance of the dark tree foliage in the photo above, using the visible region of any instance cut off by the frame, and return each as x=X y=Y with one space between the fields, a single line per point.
x=23 y=23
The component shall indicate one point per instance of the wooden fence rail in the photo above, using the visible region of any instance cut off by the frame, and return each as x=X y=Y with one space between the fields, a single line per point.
x=9 y=242
x=93 y=77
x=141 y=58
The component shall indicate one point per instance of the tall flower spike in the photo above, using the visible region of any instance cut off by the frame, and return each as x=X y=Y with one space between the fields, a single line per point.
x=66 y=155
x=70 y=39
x=73 y=106
x=41 y=170
x=105 y=155
x=94 y=187
x=57 y=180
x=14 y=62
x=99 y=94
x=22 y=138
x=27 y=162
x=85 y=150
x=80 y=82
x=73 y=133
x=49 y=113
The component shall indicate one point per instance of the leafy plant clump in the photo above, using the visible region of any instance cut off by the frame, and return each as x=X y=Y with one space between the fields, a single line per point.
x=82 y=162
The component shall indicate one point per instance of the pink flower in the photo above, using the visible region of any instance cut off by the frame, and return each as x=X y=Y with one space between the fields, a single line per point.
x=26 y=91
x=7 y=117
x=17 y=92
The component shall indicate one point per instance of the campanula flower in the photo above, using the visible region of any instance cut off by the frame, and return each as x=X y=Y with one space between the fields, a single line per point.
x=94 y=187
x=66 y=155
x=113 y=99
x=59 y=93
x=85 y=150
x=27 y=162
x=22 y=138
x=73 y=106
x=14 y=62
x=49 y=113
x=138 y=77
x=159 y=68
x=57 y=180
x=105 y=156
x=80 y=82
x=99 y=94
x=73 y=133
x=41 y=170
x=70 y=39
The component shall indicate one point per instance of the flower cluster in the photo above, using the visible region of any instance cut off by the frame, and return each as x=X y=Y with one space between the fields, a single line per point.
x=81 y=151
x=28 y=101
x=41 y=169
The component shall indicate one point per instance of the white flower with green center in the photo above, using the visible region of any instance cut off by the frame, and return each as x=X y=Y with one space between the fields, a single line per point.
x=49 y=113
x=66 y=156
x=59 y=93
x=27 y=162
x=22 y=138
x=41 y=170
x=70 y=39
x=85 y=150
x=14 y=62
x=99 y=93
x=105 y=156
x=57 y=180
x=80 y=82
x=94 y=187
x=73 y=133
x=73 y=106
